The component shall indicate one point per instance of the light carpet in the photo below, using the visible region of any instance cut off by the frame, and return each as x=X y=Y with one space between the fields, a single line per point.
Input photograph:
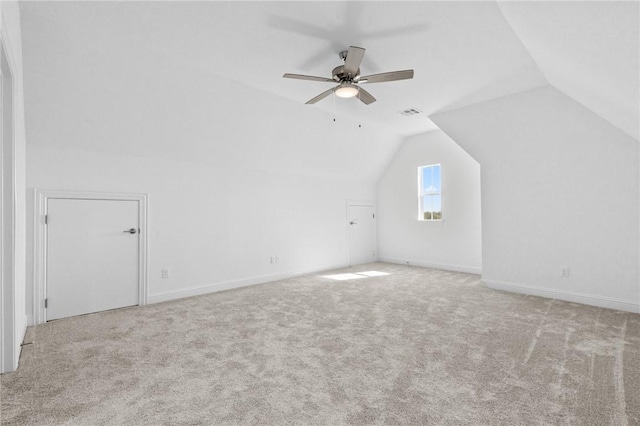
x=417 y=346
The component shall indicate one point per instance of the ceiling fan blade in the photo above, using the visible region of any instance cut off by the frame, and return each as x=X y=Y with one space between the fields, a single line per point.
x=308 y=77
x=387 y=76
x=353 y=60
x=321 y=96
x=365 y=96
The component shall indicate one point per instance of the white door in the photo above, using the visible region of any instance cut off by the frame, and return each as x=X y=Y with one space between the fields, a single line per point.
x=362 y=234
x=92 y=256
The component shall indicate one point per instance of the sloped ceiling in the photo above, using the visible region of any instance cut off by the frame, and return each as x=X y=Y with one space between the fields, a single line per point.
x=217 y=64
x=458 y=50
x=588 y=50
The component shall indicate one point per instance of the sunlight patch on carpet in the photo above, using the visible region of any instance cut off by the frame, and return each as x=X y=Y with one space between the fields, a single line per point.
x=373 y=273
x=344 y=277
x=355 y=276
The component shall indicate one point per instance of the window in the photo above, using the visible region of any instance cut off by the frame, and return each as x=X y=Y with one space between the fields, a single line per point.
x=429 y=193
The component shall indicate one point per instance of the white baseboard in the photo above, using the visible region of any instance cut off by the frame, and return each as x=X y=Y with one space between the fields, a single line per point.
x=30 y=320
x=569 y=296
x=228 y=285
x=446 y=267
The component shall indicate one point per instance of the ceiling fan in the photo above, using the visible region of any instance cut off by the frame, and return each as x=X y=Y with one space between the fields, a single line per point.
x=348 y=76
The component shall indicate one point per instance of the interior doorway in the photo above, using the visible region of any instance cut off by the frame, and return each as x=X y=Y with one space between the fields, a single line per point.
x=90 y=253
x=361 y=225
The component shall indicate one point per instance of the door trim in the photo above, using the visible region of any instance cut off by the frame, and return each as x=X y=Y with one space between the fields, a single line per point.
x=40 y=253
x=375 y=235
x=9 y=343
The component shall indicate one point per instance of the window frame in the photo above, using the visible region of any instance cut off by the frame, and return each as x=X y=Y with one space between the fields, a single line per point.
x=422 y=193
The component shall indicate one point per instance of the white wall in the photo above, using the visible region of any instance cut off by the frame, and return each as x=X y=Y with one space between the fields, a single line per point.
x=559 y=188
x=11 y=34
x=214 y=226
x=454 y=243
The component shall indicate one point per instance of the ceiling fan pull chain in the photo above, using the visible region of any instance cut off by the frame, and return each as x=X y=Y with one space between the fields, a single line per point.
x=361 y=106
x=334 y=107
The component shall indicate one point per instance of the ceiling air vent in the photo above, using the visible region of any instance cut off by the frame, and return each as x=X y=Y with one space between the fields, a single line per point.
x=410 y=111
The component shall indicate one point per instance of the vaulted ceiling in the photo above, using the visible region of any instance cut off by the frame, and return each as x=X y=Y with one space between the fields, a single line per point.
x=462 y=53
x=588 y=50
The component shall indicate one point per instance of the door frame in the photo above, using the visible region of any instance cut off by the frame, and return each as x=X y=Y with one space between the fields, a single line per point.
x=363 y=203
x=42 y=197
x=9 y=347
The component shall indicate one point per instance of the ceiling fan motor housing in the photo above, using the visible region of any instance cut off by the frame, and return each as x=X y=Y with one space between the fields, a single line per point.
x=339 y=74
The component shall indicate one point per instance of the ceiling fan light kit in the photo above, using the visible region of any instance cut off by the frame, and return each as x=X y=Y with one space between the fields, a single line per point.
x=346 y=90
x=348 y=75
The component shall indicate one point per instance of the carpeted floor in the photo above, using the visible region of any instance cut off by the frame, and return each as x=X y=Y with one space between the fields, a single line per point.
x=417 y=346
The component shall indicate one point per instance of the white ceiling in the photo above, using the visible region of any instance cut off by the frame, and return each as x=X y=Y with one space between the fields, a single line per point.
x=588 y=50
x=462 y=52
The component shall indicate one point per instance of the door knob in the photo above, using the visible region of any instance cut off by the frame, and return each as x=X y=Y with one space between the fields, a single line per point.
x=131 y=231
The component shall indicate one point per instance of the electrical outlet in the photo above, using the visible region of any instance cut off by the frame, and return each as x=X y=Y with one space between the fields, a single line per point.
x=277 y=259
x=272 y=260
x=564 y=272
x=165 y=273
